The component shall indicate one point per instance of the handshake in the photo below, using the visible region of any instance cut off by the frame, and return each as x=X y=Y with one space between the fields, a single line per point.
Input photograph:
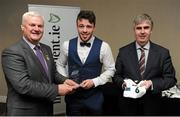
x=69 y=86
x=133 y=90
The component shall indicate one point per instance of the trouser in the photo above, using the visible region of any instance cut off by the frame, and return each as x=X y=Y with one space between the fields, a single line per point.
x=89 y=106
x=147 y=105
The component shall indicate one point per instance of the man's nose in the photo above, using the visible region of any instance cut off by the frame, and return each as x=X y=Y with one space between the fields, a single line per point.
x=85 y=29
x=142 y=30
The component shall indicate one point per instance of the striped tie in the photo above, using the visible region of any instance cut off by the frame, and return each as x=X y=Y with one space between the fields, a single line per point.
x=142 y=62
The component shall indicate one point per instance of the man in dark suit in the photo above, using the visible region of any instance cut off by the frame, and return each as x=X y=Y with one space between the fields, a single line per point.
x=33 y=84
x=144 y=64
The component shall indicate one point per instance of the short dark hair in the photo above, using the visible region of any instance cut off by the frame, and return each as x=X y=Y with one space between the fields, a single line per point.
x=87 y=14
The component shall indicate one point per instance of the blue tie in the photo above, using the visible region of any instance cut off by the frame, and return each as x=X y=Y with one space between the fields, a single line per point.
x=40 y=56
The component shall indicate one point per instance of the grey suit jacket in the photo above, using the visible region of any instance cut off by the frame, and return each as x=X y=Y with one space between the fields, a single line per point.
x=159 y=67
x=30 y=90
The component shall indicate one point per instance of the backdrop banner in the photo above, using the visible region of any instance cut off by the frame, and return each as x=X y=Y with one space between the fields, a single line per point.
x=60 y=24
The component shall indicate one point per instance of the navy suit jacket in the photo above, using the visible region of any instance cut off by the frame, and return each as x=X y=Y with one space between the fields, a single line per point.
x=30 y=90
x=159 y=67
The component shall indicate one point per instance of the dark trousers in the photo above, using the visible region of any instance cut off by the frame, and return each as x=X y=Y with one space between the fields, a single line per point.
x=148 y=105
x=89 y=106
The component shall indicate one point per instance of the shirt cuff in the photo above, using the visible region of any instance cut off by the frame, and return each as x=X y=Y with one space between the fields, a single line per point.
x=96 y=82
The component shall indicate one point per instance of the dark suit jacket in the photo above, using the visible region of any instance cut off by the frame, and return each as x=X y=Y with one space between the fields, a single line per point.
x=159 y=67
x=30 y=90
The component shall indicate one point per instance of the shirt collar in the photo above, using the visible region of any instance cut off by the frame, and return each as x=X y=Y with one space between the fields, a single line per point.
x=146 y=47
x=29 y=43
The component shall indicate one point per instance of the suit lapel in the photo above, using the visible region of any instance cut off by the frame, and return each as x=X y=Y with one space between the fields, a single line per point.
x=134 y=60
x=47 y=58
x=151 y=57
x=32 y=57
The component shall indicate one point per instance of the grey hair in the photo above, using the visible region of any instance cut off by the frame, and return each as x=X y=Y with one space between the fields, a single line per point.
x=141 y=18
x=30 y=13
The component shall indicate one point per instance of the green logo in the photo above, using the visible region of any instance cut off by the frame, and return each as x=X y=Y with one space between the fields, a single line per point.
x=54 y=18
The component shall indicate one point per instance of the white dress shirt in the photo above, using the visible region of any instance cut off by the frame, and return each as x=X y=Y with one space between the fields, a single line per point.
x=106 y=58
x=146 y=50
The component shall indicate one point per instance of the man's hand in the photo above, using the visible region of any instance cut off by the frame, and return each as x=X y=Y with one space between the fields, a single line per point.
x=64 y=89
x=128 y=83
x=146 y=83
x=71 y=83
x=87 y=84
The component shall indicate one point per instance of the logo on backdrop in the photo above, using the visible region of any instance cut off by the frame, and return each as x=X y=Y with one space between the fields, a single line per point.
x=54 y=18
x=55 y=33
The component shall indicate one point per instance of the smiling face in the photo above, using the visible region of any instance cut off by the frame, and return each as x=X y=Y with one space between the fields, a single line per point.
x=143 y=32
x=143 y=25
x=33 y=28
x=85 y=29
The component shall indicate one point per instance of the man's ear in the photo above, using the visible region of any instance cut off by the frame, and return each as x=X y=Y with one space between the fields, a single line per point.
x=22 y=27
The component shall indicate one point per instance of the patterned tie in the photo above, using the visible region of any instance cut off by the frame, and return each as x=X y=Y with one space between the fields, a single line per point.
x=142 y=62
x=40 y=56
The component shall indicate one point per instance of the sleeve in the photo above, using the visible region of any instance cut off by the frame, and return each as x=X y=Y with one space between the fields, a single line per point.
x=117 y=79
x=107 y=59
x=167 y=79
x=17 y=75
x=62 y=60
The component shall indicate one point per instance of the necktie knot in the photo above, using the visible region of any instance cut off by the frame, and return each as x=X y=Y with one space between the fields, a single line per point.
x=37 y=47
x=85 y=44
x=142 y=49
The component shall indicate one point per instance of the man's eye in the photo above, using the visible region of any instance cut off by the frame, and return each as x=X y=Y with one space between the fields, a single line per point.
x=81 y=26
x=89 y=26
x=40 y=26
x=32 y=25
x=147 y=27
x=138 y=28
